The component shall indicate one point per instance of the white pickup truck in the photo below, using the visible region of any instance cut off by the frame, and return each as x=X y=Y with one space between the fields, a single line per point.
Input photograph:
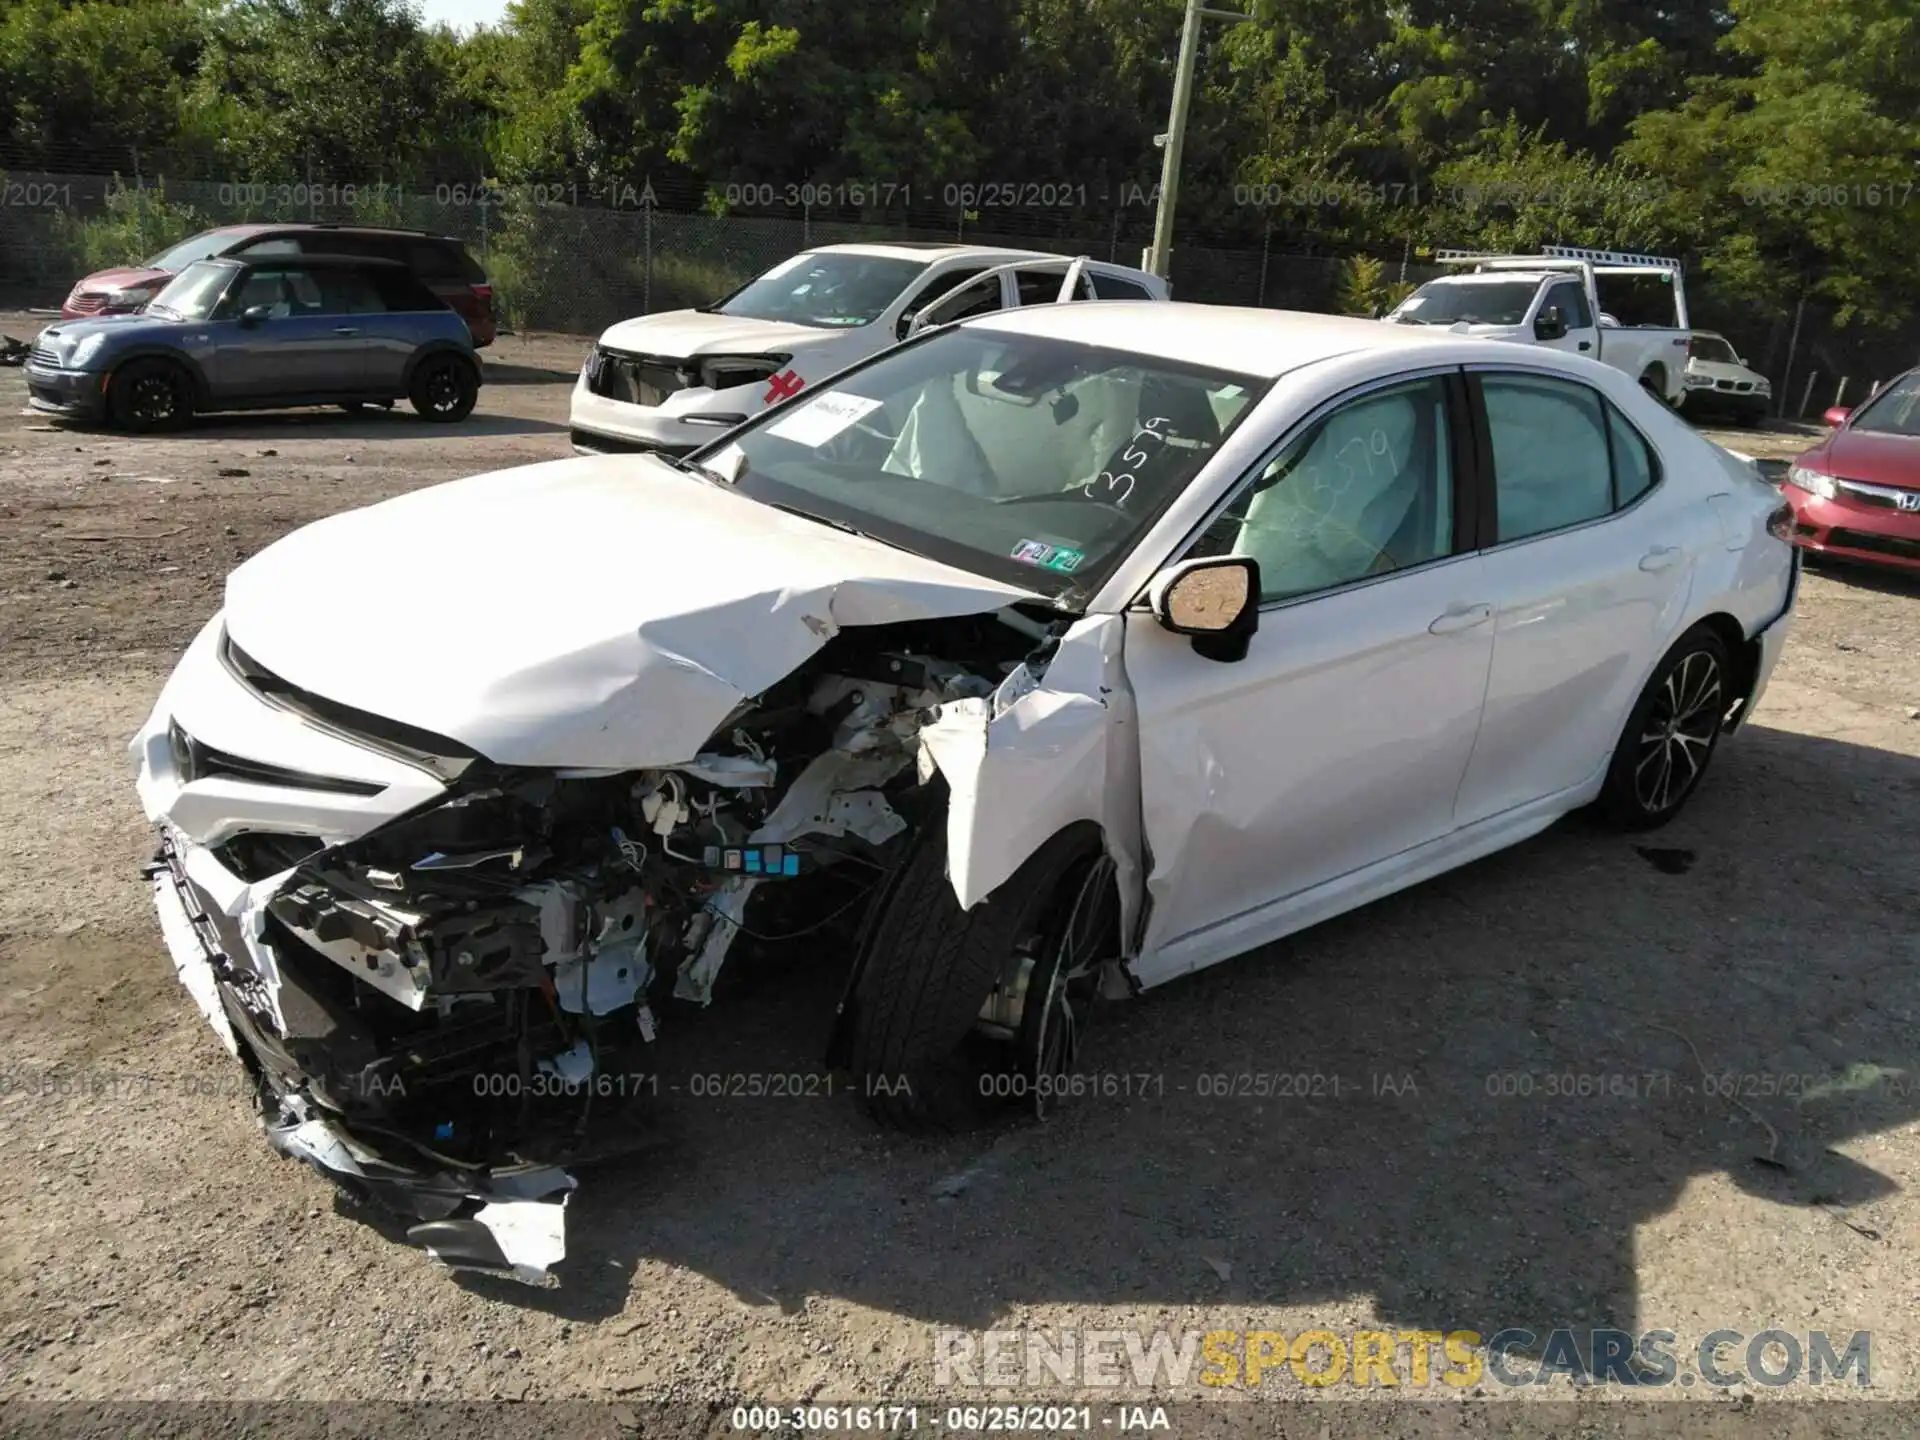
x=1553 y=299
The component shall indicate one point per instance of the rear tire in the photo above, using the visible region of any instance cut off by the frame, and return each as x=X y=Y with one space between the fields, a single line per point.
x=444 y=388
x=148 y=395
x=916 y=1046
x=1670 y=735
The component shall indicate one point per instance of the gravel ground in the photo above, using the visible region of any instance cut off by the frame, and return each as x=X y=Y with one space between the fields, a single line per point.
x=154 y=1248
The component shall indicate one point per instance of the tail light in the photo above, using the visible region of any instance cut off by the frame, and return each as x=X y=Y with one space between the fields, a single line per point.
x=1780 y=523
x=484 y=294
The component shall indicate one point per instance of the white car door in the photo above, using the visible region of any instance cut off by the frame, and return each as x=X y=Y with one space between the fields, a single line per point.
x=1589 y=566
x=1340 y=739
x=1580 y=332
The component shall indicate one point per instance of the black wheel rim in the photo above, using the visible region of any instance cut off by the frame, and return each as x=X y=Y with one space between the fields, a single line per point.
x=443 y=389
x=1678 y=733
x=154 y=399
x=1082 y=941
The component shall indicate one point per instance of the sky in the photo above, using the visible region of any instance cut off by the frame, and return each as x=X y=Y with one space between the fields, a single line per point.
x=464 y=14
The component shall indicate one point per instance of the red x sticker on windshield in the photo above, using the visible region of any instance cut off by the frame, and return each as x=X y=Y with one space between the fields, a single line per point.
x=787 y=382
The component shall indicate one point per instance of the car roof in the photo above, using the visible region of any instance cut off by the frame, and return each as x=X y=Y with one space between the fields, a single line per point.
x=1264 y=343
x=1489 y=277
x=275 y=262
x=310 y=227
x=931 y=250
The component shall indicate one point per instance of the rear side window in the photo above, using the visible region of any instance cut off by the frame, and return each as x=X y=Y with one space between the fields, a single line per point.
x=346 y=291
x=1561 y=455
x=1112 y=287
x=1040 y=287
x=1552 y=460
x=278 y=245
x=1635 y=467
x=401 y=290
x=435 y=260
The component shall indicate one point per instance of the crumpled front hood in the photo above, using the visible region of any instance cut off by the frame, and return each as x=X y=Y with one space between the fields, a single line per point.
x=598 y=612
x=683 y=334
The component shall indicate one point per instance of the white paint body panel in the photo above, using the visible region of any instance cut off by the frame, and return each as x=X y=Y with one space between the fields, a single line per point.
x=602 y=612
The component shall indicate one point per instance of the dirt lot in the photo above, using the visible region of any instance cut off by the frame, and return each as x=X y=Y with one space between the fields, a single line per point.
x=153 y=1247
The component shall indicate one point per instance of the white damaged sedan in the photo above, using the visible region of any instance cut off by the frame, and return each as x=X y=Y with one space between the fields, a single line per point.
x=1054 y=654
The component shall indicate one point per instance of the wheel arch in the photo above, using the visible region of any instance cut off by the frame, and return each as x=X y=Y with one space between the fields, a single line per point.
x=433 y=350
x=1743 y=656
x=196 y=377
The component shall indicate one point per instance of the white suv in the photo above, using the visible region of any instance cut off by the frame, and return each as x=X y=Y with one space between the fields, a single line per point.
x=675 y=380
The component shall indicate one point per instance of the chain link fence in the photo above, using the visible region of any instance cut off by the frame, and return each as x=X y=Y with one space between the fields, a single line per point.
x=558 y=264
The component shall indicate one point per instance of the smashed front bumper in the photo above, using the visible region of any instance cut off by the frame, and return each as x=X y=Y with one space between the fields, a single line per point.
x=504 y=1220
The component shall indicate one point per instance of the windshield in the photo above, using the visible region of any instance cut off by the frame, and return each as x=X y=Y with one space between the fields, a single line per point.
x=1894 y=411
x=192 y=294
x=199 y=247
x=1478 y=302
x=829 y=292
x=1034 y=460
x=1712 y=347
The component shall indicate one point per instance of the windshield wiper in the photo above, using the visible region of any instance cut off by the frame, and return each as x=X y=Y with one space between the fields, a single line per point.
x=691 y=467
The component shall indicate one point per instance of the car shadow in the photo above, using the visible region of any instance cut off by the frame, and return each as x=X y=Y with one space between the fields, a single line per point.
x=1881 y=579
x=1476 y=1093
x=372 y=423
x=506 y=373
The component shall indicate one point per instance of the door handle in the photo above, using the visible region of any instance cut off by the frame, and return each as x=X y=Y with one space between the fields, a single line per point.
x=1586 y=344
x=346 y=329
x=1660 y=557
x=1460 y=617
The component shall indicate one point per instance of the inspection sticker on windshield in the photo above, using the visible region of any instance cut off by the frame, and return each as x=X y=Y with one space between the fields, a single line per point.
x=822 y=418
x=1049 y=557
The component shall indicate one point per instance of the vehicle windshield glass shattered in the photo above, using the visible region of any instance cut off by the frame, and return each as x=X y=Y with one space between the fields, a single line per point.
x=1895 y=410
x=1477 y=302
x=198 y=247
x=829 y=292
x=1035 y=460
x=194 y=292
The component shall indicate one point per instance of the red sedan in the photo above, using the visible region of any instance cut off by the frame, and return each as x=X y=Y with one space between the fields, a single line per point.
x=1856 y=495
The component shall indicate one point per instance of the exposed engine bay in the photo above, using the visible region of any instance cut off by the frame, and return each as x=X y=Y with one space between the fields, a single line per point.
x=427 y=1006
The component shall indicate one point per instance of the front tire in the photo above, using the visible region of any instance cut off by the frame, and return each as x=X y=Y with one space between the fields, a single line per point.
x=148 y=395
x=1670 y=735
x=444 y=389
x=921 y=1046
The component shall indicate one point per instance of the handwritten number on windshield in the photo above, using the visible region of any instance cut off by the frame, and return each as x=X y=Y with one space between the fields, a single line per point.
x=1115 y=488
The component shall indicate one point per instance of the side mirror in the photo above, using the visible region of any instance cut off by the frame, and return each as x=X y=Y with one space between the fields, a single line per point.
x=904 y=327
x=1215 y=600
x=254 y=314
x=1837 y=416
x=1549 y=324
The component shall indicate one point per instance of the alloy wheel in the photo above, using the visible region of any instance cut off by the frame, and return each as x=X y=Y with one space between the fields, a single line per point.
x=1678 y=733
x=154 y=399
x=1068 y=965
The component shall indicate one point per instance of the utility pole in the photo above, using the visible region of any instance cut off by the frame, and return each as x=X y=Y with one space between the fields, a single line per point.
x=1160 y=256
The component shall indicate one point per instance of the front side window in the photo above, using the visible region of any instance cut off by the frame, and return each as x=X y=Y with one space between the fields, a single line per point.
x=827 y=291
x=1042 y=287
x=194 y=292
x=977 y=301
x=1365 y=491
x=1894 y=411
x=1035 y=460
x=1552 y=454
x=1572 y=300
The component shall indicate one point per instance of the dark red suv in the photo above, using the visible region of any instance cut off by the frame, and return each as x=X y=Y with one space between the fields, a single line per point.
x=440 y=260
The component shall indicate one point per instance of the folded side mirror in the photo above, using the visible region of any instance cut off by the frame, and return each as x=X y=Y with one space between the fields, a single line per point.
x=1216 y=601
x=1549 y=324
x=1837 y=416
x=254 y=314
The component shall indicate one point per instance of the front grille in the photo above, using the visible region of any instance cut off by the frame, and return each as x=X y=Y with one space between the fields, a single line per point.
x=635 y=379
x=1880 y=496
x=255 y=855
x=85 y=302
x=1876 y=544
x=40 y=355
